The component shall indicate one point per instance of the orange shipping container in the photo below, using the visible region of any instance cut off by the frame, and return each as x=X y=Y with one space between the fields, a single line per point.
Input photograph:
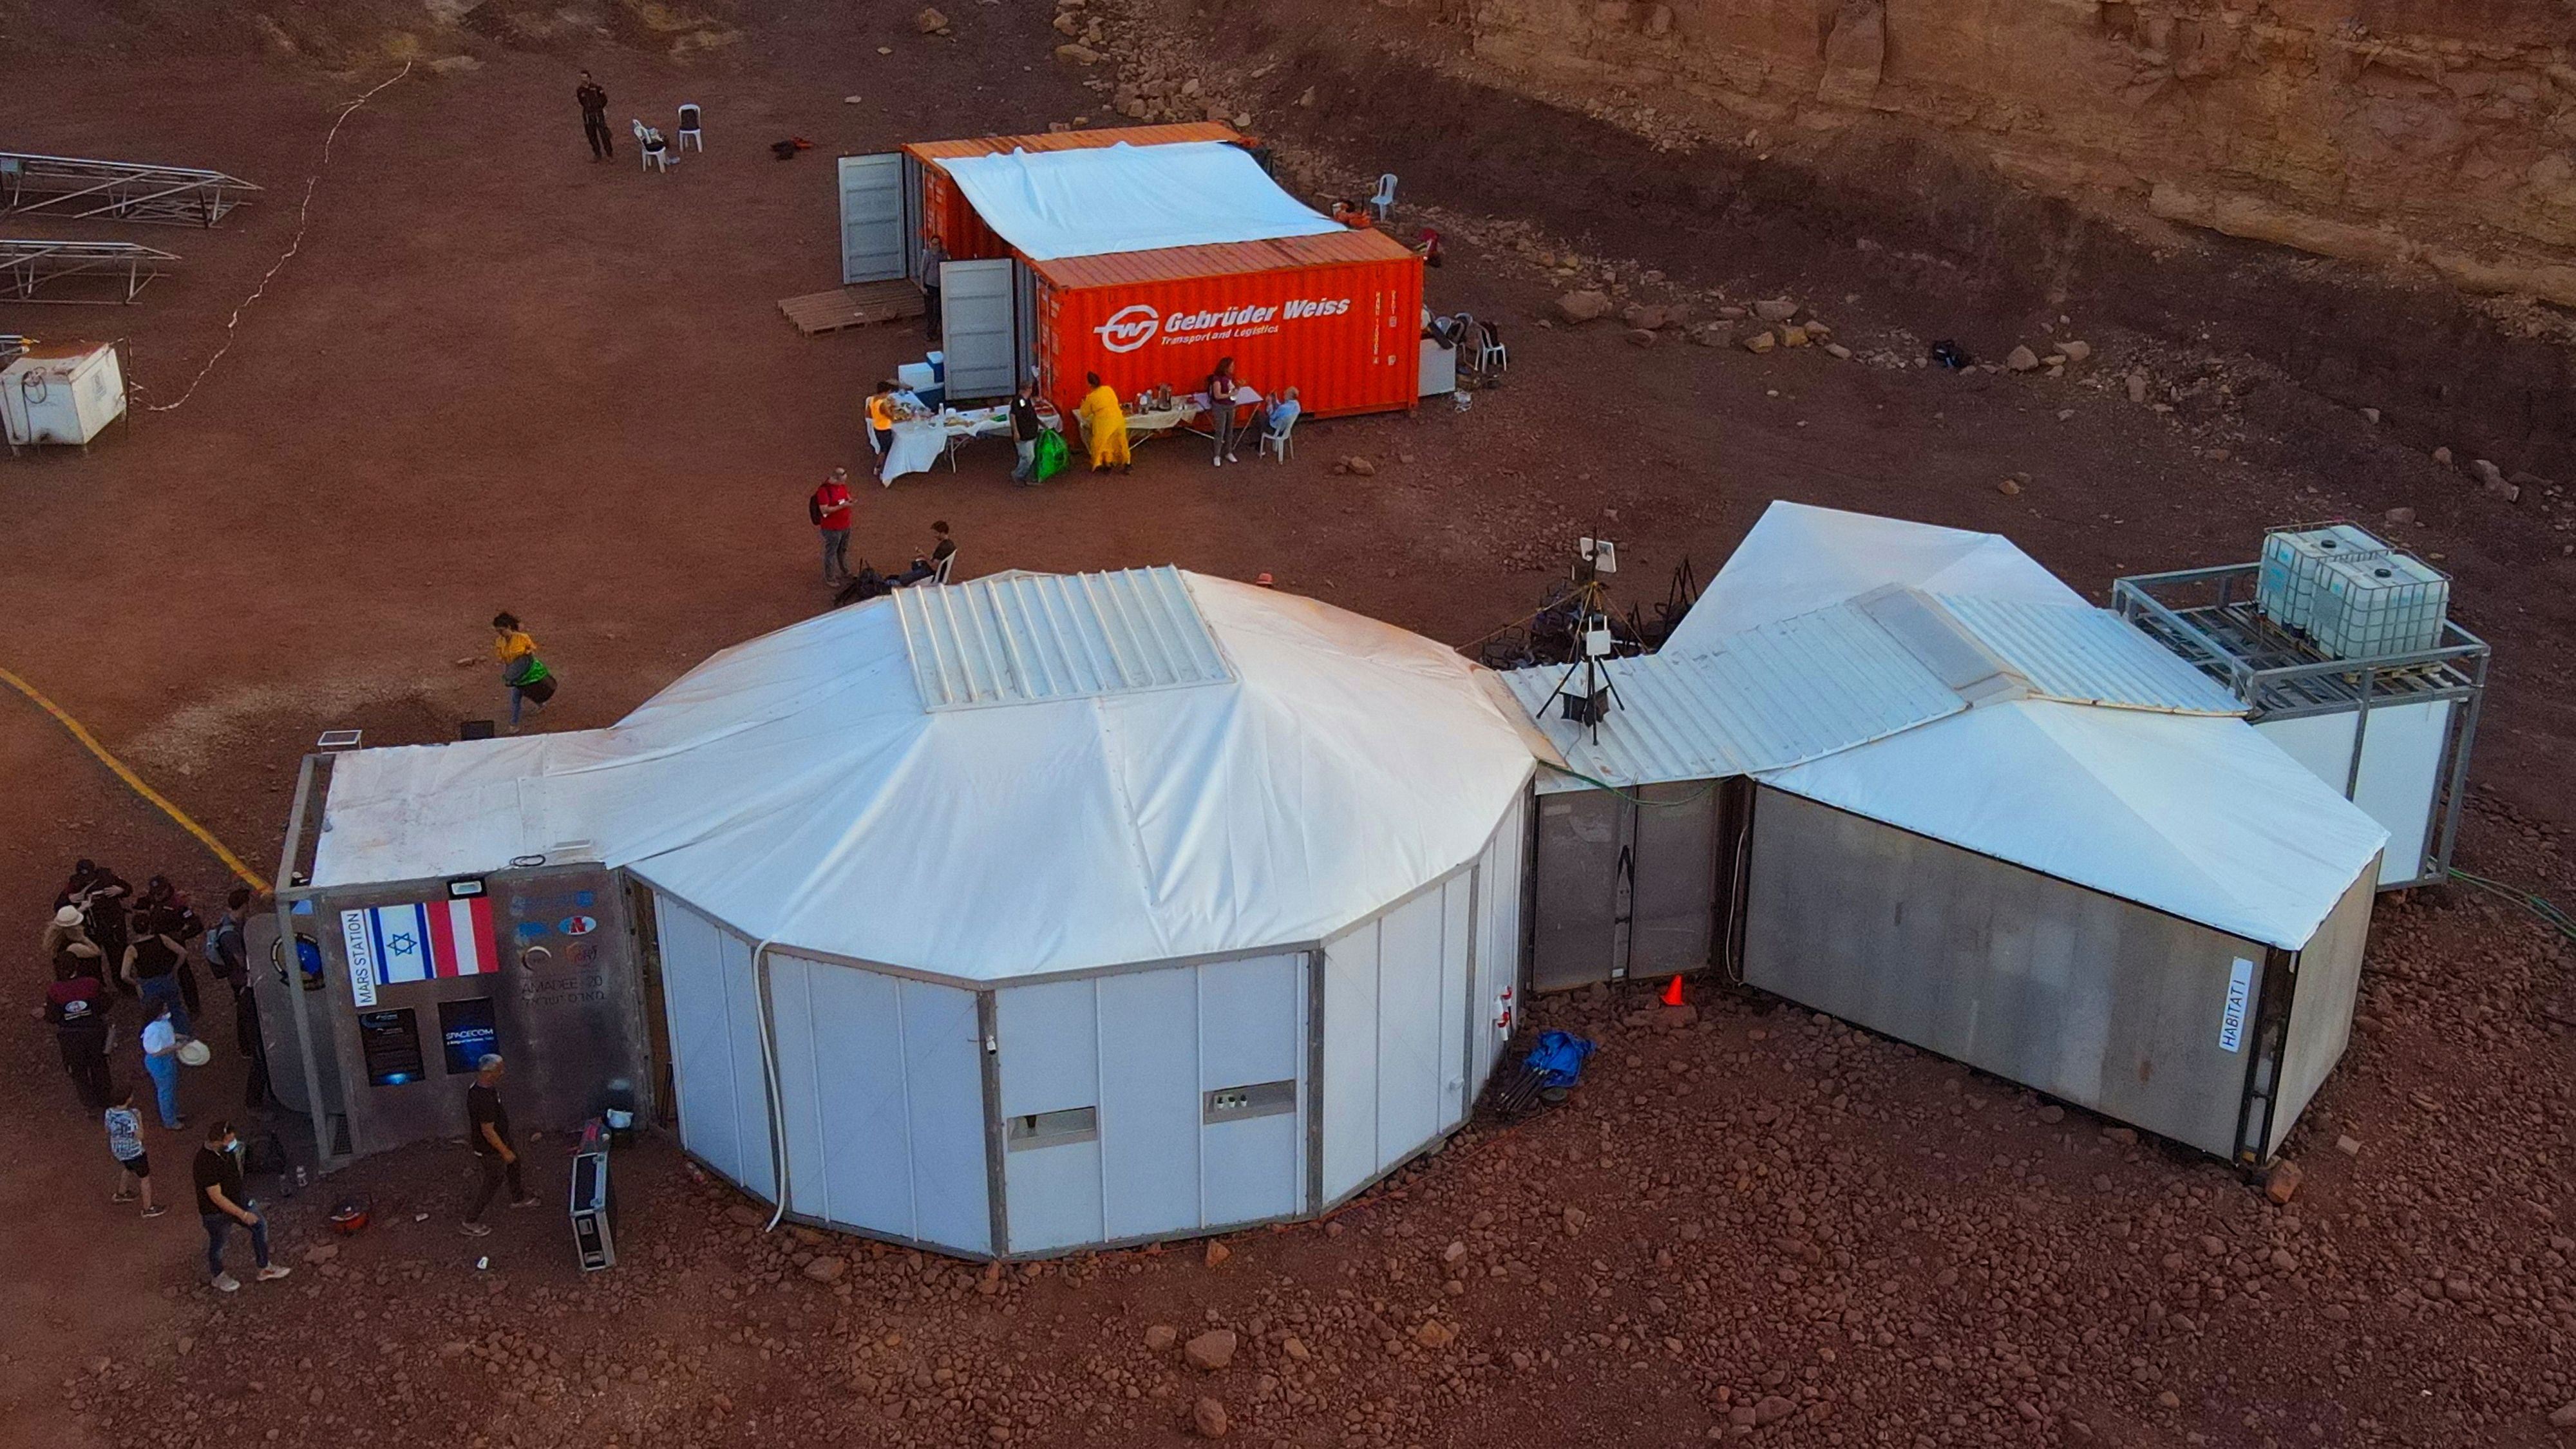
x=1337 y=316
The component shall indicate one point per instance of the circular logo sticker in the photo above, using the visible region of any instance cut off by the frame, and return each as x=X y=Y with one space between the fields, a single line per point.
x=577 y=925
x=1129 y=328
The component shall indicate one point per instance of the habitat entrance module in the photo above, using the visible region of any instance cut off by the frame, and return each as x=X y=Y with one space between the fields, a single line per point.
x=73 y=187
x=2343 y=651
x=36 y=269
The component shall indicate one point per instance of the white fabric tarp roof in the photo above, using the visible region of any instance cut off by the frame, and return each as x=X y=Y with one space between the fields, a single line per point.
x=2196 y=816
x=1798 y=558
x=795 y=787
x=1125 y=198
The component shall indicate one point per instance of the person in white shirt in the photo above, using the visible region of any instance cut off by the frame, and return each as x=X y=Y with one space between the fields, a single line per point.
x=161 y=1059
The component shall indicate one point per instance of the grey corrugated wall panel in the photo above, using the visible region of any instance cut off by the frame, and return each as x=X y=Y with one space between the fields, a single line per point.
x=2091 y=999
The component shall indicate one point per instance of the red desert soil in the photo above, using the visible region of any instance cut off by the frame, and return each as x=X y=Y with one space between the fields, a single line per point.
x=497 y=375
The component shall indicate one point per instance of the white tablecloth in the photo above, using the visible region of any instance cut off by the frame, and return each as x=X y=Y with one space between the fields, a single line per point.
x=919 y=442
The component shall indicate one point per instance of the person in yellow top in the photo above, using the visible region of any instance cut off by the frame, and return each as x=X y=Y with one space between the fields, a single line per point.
x=1104 y=425
x=881 y=416
x=521 y=669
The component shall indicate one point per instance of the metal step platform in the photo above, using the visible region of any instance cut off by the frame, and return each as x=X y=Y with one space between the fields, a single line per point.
x=71 y=187
x=43 y=269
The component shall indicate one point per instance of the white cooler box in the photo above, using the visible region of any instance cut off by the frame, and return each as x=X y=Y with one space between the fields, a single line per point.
x=61 y=392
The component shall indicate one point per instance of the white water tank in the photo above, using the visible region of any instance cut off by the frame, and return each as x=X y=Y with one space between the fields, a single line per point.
x=61 y=392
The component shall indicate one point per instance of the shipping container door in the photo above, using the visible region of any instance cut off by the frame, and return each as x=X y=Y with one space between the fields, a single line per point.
x=875 y=237
x=979 y=327
x=1579 y=937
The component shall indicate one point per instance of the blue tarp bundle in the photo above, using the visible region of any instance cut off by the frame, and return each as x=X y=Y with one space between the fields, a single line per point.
x=1560 y=1055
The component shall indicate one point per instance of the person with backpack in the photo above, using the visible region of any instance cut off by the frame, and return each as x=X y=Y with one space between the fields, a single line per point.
x=829 y=508
x=76 y=1007
x=525 y=674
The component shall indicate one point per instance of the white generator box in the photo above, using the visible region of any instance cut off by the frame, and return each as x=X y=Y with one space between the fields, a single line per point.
x=61 y=392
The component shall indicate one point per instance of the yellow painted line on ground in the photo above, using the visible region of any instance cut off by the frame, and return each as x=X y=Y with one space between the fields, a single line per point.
x=90 y=742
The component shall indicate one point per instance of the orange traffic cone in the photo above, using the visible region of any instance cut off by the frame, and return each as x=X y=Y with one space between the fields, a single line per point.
x=1673 y=992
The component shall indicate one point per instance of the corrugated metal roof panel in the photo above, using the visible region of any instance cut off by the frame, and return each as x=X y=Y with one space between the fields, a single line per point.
x=936 y=151
x=1025 y=638
x=2083 y=655
x=1774 y=696
x=1224 y=259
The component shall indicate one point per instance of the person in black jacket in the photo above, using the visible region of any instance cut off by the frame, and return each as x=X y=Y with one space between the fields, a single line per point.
x=594 y=118
x=1025 y=428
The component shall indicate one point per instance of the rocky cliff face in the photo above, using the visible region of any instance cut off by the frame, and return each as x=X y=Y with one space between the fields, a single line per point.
x=2417 y=134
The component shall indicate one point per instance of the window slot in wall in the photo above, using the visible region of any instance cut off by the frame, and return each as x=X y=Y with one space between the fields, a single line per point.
x=1054 y=1129
x=1257 y=1099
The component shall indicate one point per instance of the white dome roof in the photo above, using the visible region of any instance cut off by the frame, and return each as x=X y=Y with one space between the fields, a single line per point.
x=1317 y=768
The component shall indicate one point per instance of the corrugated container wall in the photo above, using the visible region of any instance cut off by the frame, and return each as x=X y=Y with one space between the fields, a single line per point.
x=1346 y=334
x=947 y=215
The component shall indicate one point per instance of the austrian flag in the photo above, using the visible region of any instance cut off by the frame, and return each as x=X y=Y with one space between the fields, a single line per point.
x=435 y=941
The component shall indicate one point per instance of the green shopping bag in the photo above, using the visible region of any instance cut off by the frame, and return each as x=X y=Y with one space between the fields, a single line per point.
x=1052 y=456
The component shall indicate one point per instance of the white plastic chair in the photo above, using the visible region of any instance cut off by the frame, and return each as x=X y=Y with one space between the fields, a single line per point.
x=652 y=151
x=1278 y=442
x=1491 y=355
x=688 y=129
x=1385 y=197
x=946 y=566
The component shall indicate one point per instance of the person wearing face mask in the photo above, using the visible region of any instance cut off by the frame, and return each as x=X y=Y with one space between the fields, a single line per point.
x=223 y=1206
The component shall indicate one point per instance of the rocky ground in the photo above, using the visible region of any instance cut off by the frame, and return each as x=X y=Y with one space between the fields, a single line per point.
x=1748 y=1223
x=565 y=388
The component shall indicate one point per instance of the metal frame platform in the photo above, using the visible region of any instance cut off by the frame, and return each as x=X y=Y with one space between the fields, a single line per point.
x=30 y=263
x=72 y=187
x=2208 y=616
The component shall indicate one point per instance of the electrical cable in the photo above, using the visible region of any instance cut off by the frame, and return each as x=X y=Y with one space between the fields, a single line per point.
x=2556 y=919
x=303 y=215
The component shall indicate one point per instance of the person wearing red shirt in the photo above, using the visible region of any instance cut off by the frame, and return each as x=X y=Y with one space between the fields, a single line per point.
x=829 y=508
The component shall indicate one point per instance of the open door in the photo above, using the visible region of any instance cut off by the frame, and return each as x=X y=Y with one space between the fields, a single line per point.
x=876 y=219
x=979 y=327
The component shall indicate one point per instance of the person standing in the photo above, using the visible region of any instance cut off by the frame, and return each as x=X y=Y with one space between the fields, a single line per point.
x=172 y=917
x=76 y=1007
x=152 y=959
x=1221 y=387
x=100 y=894
x=881 y=420
x=221 y=1206
x=487 y=1129
x=933 y=257
x=830 y=510
x=133 y=1167
x=594 y=117
x=1105 y=426
x=161 y=1061
x=522 y=671
x=228 y=956
x=1025 y=430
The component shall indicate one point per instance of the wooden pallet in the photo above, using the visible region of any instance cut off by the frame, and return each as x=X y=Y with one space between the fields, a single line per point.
x=853 y=306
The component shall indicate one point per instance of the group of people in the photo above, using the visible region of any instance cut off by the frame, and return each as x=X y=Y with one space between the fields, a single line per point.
x=1104 y=419
x=830 y=510
x=109 y=947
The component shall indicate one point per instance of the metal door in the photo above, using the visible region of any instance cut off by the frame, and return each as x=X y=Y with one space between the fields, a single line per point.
x=979 y=327
x=876 y=219
x=1673 y=877
x=1582 y=844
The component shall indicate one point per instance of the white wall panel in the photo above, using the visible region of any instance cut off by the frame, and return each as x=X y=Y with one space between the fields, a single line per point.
x=1498 y=942
x=1350 y=1084
x=702 y=1070
x=1050 y=1062
x=1149 y=1102
x=1415 y=1039
x=1457 y=932
x=846 y=1076
x=750 y=1072
x=1252 y=1029
x=943 y=1062
x=2401 y=770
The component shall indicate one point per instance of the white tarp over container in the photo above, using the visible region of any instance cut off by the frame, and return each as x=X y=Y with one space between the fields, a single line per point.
x=1036 y=912
x=2198 y=817
x=1799 y=558
x=1123 y=198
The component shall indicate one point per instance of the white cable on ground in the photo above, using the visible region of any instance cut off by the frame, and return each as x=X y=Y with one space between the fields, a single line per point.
x=302 y=214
